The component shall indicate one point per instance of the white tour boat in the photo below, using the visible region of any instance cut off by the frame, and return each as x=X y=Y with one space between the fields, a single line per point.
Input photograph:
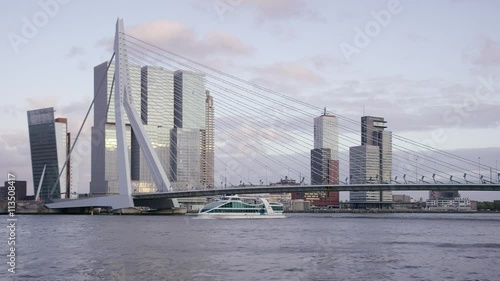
x=235 y=207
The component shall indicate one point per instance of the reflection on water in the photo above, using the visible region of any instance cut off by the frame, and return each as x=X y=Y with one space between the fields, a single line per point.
x=301 y=247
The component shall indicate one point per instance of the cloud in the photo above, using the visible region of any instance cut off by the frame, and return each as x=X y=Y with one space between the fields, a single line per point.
x=418 y=38
x=282 y=31
x=488 y=54
x=409 y=105
x=14 y=146
x=296 y=71
x=293 y=76
x=322 y=62
x=106 y=44
x=279 y=10
x=218 y=41
x=75 y=51
x=36 y=102
x=179 y=38
x=274 y=15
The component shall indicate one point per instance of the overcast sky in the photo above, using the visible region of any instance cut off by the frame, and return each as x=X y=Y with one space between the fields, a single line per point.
x=423 y=65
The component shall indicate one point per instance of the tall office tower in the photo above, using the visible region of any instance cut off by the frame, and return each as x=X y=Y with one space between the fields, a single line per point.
x=373 y=133
x=104 y=169
x=157 y=115
x=49 y=149
x=186 y=136
x=207 y=144
x=326 y=134
x=324 y=160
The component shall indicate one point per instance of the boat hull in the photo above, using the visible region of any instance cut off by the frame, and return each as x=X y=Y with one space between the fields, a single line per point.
x=240 y=216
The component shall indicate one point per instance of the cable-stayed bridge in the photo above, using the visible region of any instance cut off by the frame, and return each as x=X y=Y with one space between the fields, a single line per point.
x=259 y=136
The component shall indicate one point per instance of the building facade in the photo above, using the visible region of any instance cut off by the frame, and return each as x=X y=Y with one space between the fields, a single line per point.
x=20 y=189
x=49 y=148
x=324 y=161
x=326 y=134
x=177 y=115
x=373 y=133
x=372 y=161
x=450 y=204
x=104 y=168
x=192 y=138
x=157 y=115
x=208 y=144
x=364 y=169
x=436 y=195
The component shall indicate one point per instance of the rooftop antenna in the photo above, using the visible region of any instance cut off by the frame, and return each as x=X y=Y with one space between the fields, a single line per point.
x=364 y=110
x=324 y=112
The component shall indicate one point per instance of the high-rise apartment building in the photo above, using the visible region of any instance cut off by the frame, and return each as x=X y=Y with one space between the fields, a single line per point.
x=208 y=144
x=49 y=145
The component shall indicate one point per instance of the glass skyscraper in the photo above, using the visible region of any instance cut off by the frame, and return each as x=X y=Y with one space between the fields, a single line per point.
x=104 y=169
x=157 y=114
x=192 y=139
x=174 y=111
x=49 y=145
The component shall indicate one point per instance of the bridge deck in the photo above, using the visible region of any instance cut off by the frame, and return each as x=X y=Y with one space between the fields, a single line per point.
x=309 y=188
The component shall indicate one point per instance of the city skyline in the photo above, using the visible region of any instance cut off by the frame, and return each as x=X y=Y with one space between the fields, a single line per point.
x=484 y=147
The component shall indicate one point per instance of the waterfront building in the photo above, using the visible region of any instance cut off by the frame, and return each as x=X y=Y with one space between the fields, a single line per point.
x=49 y=147
x=452 y=204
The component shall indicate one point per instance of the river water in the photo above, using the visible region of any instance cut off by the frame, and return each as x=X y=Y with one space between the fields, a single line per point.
x=300 y=247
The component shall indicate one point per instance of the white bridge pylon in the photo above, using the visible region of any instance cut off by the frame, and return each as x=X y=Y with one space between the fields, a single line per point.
x=123 y=106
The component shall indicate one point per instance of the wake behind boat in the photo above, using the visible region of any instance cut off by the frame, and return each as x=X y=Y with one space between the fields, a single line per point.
x=235 y=207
